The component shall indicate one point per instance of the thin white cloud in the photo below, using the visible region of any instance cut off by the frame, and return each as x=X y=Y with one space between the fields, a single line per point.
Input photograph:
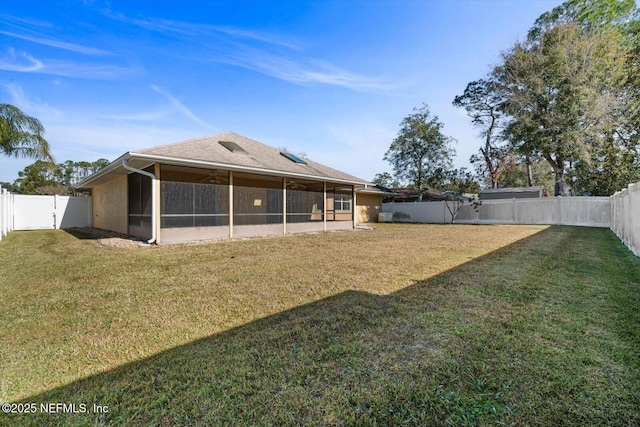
x=260 y=36
x=85 y=137
x=174 y=110
x=22 y=22
x=20 y=62
x=25 y=63
x=181 y=108
x=199 y=31
x=84 y=70
x=300 y=71
x=60 y=45
x=263 y=52
x=32 y=105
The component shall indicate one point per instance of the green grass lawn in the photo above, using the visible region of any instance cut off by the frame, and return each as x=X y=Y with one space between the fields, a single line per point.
x=401 y=325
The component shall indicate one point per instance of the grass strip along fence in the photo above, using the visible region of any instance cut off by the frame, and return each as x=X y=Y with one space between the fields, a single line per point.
x=405 y=324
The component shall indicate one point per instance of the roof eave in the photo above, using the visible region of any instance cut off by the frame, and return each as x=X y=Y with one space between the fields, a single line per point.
x=87 y=183
x=238 y=168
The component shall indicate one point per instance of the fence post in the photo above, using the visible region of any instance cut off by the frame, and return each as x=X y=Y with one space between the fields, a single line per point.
x=3 y=212
x=6 y=212
x=12 y=212
x=444 y=212
x=633 y=237
x=55 y=212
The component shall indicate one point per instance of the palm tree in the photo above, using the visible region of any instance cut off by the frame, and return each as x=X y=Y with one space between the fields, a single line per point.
x=21 y=135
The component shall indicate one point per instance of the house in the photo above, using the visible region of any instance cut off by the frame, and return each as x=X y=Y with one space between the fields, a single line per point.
x=512 y=193
x=369 y=202
x=221 y=186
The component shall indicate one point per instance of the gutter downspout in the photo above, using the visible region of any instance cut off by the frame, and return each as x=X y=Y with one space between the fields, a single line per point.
x=153 y=197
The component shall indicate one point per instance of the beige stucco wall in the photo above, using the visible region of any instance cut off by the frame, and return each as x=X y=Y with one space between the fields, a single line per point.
x=368 y=207
x=110 y=205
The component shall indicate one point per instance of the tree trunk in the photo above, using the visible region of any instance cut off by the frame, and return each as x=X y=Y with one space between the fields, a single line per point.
x=561 y=185
x=560 y=188
x=493 y=170
x=529 y=172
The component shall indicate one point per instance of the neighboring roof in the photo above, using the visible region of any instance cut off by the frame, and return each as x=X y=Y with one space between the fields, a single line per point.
x=512 y=192
x=207 y=152
x=371 y=188
x=407 y=194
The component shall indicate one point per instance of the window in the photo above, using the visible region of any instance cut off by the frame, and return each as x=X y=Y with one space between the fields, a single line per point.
x=293 y=158
x=339 y=203
x=342 y=202
x=233 y=147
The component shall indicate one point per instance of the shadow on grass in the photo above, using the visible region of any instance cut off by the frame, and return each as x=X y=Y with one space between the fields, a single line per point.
x=99 y=234
x=82 y=234
x=456 y=348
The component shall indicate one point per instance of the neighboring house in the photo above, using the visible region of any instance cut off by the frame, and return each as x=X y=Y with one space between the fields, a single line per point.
x=512 y=193
x=220 y=186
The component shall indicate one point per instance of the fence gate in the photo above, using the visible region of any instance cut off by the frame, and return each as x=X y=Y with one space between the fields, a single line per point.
x=34 y=212
x=50 y=212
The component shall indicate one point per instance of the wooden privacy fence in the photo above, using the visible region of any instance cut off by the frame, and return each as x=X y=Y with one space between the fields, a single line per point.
x=625 y=216
x=26 y=212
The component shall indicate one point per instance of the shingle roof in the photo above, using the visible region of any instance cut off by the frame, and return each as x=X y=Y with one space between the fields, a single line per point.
x=514 y=189
x=512 y=192
x=207 y=150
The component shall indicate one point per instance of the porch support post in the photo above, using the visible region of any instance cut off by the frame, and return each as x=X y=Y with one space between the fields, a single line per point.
x=284 y=205
x=353 y=207
x=231 y=204
x=324 y=195
x=156 y=209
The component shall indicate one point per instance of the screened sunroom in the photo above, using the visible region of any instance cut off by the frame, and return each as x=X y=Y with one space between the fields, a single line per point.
x=195 y=204
x=220 y=187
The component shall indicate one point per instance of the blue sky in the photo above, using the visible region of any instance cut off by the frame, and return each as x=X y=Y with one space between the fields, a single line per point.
x=332 y=79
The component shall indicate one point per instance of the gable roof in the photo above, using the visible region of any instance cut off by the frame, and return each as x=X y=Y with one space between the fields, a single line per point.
x=208 y=152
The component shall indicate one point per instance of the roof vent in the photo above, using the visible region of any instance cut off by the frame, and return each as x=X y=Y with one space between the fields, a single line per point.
x=233 y=147
x=293 y=158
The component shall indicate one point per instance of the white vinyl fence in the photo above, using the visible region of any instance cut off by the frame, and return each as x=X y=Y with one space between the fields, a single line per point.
x=583 y=211
x=6 y=212
x=620 y=213
x=422 y=212
x=625 y=216
x=25 y=212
